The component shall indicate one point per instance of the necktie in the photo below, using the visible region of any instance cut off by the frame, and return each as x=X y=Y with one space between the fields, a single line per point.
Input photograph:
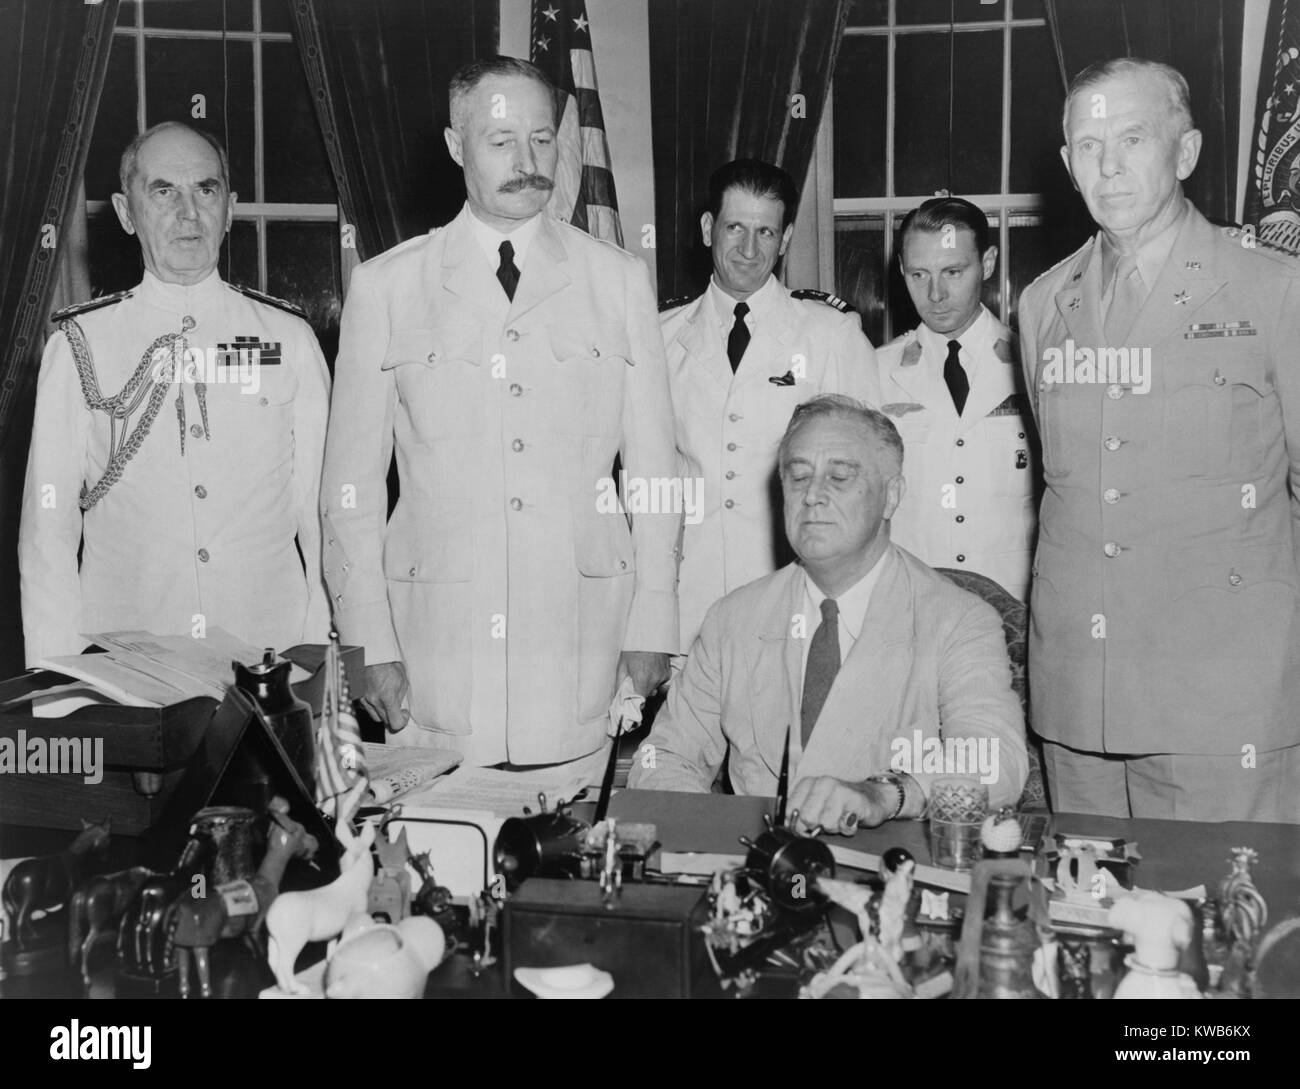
x=738 y=339
x=955 y=375
x=823 y=664
x=1129 y=293
x=507 y=273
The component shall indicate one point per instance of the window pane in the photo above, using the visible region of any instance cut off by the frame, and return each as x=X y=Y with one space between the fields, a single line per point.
x=1028 y=9
x=921 y=143
x=859 y=117
x=1036 y=102
x=869 y=13
x=275 y=16
x=939 y=11
x=239 y=254
x=859 y=270
x=126 y=13
x=297 y=166
x=115 y=124
x=302 y=266
x=177 y=70
x=198 y=14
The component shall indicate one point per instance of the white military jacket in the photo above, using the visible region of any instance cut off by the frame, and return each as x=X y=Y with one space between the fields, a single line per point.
x=729 y=426
x=205 y=523
x=970 y=493
x=507 y=580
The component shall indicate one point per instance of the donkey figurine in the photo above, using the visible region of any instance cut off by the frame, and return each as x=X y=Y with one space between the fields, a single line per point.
x=96 y=907
x=239 y=907
x=43 y=884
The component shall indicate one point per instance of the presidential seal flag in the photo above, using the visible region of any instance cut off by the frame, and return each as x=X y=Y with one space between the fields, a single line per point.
x=1273 y=193
x=584 y=181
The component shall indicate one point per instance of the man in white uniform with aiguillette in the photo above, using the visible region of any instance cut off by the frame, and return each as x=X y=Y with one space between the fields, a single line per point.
x=951 y=386
x=741 y=356
x=178 y=437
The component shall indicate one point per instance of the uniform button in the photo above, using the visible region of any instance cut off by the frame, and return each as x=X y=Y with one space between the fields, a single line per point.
x=729 y=504
x=1234 y=579
x=731 y=474
x=731 y=446
x=516 y=504
x=338 y=598
x=517 y=446
x=961 y=557
x=1115 y=392
x=1021 y=435
x=622 y=565
x=1113 y=444
x=961 y=442
x=412 y=572
x=595 y=352
x=961 y=518
x=201 y=491
x=203 y=555
x=196 y=431
x=735 y=417
x=263 y=401
x=1219 y=380
x=512 y=335
x=432 y=356
x=1111 y=549
x=516 y=390
x=961 y=480
x=1111 y=495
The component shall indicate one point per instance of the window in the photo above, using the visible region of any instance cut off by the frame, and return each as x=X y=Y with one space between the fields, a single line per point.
x=230 y=67
x=910 y=85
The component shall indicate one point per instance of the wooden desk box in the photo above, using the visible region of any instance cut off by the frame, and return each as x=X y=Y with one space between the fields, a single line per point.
x=650 y=942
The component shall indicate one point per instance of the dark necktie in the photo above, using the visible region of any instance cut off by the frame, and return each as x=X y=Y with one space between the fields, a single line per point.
x=823 y=664
x=955 y=375
x=738 y=340
x=507 y=273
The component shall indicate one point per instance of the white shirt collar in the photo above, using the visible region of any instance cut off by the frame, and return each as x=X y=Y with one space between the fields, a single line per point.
x=490 y=239
x=759 y=303
x=852 y=602
x=975 y=342
x=180 y=298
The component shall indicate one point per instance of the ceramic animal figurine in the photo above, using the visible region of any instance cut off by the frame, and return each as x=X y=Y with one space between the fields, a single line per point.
x=42 y=884
x=893 y=907
x=96 y=907
x=389 y=899
x=238 y=907
x=143 y=946
x=377 y=960
x=1160 y=928
x=297 y=918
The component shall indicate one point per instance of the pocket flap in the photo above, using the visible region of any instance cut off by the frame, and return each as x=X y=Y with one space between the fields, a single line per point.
x=433 y=347
x=592 y=341
x=430 y=541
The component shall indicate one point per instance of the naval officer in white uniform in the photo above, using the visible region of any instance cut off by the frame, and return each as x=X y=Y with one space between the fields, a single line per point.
x=951 y=388
x=178 y=437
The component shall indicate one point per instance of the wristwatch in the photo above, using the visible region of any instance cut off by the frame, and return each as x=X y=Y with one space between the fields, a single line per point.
x=896 y=781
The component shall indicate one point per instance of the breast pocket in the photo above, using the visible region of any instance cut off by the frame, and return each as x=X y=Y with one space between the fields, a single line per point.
x=1053 y=405
x=1006 y=448
x=1218 y=415
x=251 y=417
x=591 y=359
x=439 y=374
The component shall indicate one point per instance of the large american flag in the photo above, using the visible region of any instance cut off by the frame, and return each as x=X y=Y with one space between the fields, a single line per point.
x=1273 y=191
x=584 y=182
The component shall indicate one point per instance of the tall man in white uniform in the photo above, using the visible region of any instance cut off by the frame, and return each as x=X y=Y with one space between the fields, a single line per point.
x=951 y=386
x=178 y=437
x=507 y=358
x=741 y=356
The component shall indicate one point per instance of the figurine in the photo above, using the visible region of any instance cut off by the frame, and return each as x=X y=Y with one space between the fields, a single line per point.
x=1160 y=928
x=96 y=907
x=898 y=865
x=433 y=900
x=389 y=899
x=43 y=884
x=378 y=960
x=1244 y=915
x=297 y=918
x=238 y=907
x=1001 y=834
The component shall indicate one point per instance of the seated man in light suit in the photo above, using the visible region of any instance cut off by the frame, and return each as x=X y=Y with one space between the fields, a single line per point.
x=925 y=665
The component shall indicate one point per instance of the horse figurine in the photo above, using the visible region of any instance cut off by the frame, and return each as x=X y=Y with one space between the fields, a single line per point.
x=96 y=907
x=239 y=907
x=142 y=945
x=43 y=884
x=297 y=918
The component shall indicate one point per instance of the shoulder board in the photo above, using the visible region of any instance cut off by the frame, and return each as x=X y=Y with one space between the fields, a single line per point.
x=271 y=300
x=673 y=304
x=1249 y=238
x=92 y=304
x=824 y=297
x=1064 y=260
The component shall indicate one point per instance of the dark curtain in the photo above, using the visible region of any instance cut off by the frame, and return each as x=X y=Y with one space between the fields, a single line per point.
x=52 y=62
x=378 y=73
x=723 y=76
x=1202 y=39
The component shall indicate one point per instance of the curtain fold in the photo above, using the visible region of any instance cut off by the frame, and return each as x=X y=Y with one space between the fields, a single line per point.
x=730 y=79
x=1202 y=39
x=378 y=73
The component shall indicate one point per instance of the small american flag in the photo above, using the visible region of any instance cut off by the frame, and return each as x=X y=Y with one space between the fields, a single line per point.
x=340 y=757
x=584 y=182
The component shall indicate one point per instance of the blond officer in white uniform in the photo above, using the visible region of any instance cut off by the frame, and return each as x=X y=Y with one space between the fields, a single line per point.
x=951 y=388
x=741 y=356
x=192 y=503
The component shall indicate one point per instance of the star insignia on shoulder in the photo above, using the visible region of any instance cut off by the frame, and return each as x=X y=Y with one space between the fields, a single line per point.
x=1074 y=303
x=1181 y=298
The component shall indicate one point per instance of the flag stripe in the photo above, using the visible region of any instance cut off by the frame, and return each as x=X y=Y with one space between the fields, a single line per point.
x=595 y=150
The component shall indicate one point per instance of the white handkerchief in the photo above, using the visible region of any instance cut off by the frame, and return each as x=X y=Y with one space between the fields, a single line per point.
x=626 y=707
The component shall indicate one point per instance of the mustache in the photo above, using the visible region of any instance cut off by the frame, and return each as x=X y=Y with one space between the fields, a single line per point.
x=527 y=181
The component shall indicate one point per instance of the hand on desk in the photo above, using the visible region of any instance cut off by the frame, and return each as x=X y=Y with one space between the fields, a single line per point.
x=385 y=689
x=837 y=806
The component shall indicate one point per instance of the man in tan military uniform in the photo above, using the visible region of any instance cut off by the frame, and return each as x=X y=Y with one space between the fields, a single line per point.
x=741 y=356
x=507 y=358
x=1164 y=653
x=952 y=388
x=178 y=437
